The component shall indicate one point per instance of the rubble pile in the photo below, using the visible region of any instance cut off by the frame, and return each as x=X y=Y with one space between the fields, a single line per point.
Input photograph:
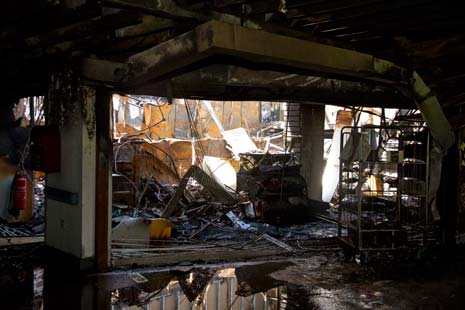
x=267 y=197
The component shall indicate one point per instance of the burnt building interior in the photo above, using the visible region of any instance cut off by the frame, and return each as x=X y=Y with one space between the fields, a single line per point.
x=232 y=154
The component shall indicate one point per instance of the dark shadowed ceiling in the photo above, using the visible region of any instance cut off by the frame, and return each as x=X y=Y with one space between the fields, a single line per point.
x=423 y=35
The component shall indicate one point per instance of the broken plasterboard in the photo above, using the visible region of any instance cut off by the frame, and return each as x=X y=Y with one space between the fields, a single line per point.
x=239 y=141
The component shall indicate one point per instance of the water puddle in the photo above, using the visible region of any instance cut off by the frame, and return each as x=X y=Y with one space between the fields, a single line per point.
x=243 y=287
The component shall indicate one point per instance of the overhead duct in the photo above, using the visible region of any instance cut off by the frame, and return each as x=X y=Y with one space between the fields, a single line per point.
x=441 y=131
x=432 y=113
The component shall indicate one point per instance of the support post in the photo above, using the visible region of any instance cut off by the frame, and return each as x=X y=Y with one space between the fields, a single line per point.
x=313 y=123
x=31 y=111
x=103 y=178
x=448 y=196
x=70 y=227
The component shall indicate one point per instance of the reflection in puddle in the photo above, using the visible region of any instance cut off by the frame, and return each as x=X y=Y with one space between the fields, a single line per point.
x=245 y=287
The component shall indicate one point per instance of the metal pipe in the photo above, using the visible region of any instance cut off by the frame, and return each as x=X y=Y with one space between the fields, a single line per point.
x=432 y=113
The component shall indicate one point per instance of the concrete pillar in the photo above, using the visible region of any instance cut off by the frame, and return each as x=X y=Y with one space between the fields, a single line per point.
x=70 y=227
x=103 y=194
x=313 y=123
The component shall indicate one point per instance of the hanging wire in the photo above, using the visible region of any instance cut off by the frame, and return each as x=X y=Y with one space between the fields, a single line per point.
x=144 y=129
x=144 y=102
x=24 y=155
x=193 y=127
x=284 y=164
x=151 y=126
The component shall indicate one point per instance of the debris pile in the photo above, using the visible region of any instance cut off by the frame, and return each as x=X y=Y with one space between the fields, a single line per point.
x=261 y=207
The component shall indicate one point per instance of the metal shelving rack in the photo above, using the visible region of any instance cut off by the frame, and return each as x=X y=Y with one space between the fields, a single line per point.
x=383 y=188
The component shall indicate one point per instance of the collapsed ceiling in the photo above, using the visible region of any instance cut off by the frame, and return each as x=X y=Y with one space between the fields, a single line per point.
x=418 y=35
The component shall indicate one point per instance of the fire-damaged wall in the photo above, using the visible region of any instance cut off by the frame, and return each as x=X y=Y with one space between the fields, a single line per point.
x=154 y=139
x=158 y=119
x=164 y=130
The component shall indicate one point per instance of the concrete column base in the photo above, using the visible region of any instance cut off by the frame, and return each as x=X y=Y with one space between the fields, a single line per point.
x=313 y=122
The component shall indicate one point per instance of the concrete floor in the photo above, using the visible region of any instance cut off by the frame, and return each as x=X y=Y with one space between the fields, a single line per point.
x=29 y=280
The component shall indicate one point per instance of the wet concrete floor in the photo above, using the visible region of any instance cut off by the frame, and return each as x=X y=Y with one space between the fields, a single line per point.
x=315 y=282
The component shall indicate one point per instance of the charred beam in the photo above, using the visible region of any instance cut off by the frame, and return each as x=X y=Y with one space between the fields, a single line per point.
x=234 y=83
x=161 y=8
x=216 y=38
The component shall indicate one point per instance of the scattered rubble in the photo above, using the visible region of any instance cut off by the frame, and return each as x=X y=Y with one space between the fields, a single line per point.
x=253 y=206
x=220 y=195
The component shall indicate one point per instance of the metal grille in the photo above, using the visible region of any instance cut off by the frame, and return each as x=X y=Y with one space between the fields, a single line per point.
x=7 y=231
x=293 y=130
x=383 y=187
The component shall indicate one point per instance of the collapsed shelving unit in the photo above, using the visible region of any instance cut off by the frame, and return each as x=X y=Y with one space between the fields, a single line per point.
x=383 y=187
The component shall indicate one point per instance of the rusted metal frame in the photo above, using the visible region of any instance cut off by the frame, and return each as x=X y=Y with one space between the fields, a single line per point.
x=104 y=149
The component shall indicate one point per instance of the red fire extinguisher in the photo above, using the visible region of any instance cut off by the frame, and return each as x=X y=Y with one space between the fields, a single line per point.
x=20 y=193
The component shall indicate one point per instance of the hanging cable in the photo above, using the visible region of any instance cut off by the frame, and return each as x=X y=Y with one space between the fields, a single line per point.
x=151 y=126
x=193 y=128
